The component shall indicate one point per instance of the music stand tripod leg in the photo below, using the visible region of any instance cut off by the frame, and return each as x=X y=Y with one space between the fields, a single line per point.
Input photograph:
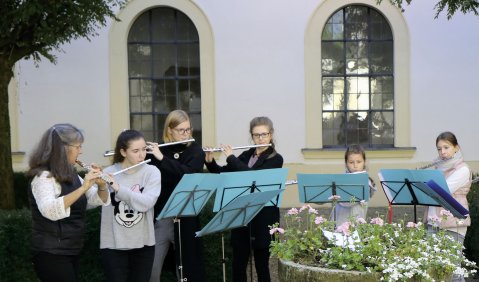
x=180 y=267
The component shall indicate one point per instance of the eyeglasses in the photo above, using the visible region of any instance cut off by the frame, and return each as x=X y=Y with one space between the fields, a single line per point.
x=78 y=147
x=183 y=130
x=260 y=135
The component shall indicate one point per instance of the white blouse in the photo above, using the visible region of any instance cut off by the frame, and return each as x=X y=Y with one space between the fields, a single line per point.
x=46 y=191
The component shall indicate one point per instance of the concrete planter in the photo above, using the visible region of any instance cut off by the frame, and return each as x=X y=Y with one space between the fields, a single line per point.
x=289 y=271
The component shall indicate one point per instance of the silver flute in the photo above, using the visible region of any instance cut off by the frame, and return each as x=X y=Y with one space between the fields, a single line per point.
x=130 y=167
x=237 y=148
x=112 y=152
x=433 y=164
x=103 y=176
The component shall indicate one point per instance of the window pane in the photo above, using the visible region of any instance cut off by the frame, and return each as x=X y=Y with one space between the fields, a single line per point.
x=160 y=121
x=333 y=93
x=357 y=58
x=189 y=93
x=382 y=93
x=165 y=95
x=139 y=56
x=380 y=29
x=358 y=93
x=381 y=57
x=139 y=31
x=332 y=57
x=332 y=125
x=186 y=29
x=195 y=120
x=357 y=128
x=188 y=59
x=164 y=60
x=163 y=25
x=142 y=123
x=334 y=28
x=356 y=23
x=382 y=131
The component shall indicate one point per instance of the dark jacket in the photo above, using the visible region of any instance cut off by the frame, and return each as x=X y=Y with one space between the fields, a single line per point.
x=268 y=215
x=64 y=236
x=191 y=160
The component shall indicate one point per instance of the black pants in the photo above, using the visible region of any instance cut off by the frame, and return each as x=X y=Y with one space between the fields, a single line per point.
x=128 y=265
x=50 y=267
x=240 y=263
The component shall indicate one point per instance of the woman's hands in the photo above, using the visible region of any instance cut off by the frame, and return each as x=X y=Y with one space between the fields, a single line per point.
x=154 y=150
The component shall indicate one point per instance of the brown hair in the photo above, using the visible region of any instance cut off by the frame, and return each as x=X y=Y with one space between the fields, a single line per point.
x=447 y=136
x=354 y=149
x=123 y=142
x=257 y=121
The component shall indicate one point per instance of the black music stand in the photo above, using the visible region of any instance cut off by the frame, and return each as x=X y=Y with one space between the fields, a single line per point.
x=406 y=187
x=238 y=213
x=237 y=184
x=319 y=188
x=187 y=200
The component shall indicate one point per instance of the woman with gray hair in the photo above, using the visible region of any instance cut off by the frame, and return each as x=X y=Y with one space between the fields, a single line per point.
x=58 y=200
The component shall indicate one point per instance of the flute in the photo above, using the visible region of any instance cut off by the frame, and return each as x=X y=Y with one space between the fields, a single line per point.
x=237 y=148
x=112 y=152
x=433 y=164
x=103 y=176
x=130 y=167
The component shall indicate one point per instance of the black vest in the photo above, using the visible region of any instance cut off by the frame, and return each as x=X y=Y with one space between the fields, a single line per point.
x=64 y=236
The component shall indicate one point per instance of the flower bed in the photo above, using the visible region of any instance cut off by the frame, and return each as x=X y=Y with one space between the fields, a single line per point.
x=397 y=252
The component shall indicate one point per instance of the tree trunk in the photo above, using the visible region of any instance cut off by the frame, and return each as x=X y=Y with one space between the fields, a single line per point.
x=7 y=195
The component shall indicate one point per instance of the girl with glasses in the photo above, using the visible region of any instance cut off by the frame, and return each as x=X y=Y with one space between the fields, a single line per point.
x=174 y=161
x=261 y=131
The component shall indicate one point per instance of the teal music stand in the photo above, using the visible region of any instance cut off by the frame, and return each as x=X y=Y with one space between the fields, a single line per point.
x=241 y=183
x=319 y=188
x=405 y=187
x=189 y=197
x=237 y=213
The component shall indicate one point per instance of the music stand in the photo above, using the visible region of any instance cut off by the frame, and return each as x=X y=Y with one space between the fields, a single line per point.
x=444 y=199
x=319 y=188
x=403 y=186
x=242 y=183
x=238 y=213
x=188 y=198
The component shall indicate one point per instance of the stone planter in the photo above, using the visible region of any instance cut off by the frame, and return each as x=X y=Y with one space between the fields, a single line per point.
x=289 y=271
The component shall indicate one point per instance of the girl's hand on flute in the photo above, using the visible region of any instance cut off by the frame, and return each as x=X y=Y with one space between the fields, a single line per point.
x=208 y=154
x=227 y=150
x=154 y=150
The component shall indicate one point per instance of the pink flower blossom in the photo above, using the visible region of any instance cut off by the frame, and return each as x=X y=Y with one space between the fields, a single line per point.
x=334 y=198
x=378 y=221
x=411 y=224
x=360 y=220
x=445 y=213
x=276 y=229
x=319 y=220
x=305 y=207
x=344 y=228
x=293 y=211
x=312 y=210
x=434 y=218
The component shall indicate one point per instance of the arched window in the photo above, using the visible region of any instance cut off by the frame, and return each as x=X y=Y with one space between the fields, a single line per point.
x=357 y=79
x=163 y=71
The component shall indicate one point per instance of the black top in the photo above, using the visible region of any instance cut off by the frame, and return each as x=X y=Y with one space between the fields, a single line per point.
x=259 y=226
x=190 y=160
x=64 y=236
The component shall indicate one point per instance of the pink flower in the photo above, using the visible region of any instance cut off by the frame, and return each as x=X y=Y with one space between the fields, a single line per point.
x=311 y=210
x=305 y=207
x=434 y=218
x=334 y=198
x=411 y=224
x=293 y=211
x=360 y=220
x=276 y=230
x=377 y=220
x=445 y=213
x=344 y=228
x=319 y=220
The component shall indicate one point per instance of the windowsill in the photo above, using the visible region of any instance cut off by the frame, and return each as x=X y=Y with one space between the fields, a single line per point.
x=338 y=153
x=17 y=157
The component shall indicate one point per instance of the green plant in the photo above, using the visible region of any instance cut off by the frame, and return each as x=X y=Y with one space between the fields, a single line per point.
x=397 y=251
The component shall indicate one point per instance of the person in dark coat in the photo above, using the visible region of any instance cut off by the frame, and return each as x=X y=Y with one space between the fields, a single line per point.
x=256 y=235
x=174 y=161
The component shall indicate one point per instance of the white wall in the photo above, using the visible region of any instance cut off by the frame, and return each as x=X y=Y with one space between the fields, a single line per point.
x=259 y=57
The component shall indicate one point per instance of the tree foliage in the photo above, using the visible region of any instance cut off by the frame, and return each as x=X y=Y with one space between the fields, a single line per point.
x=34 y=29
x=450 y=6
